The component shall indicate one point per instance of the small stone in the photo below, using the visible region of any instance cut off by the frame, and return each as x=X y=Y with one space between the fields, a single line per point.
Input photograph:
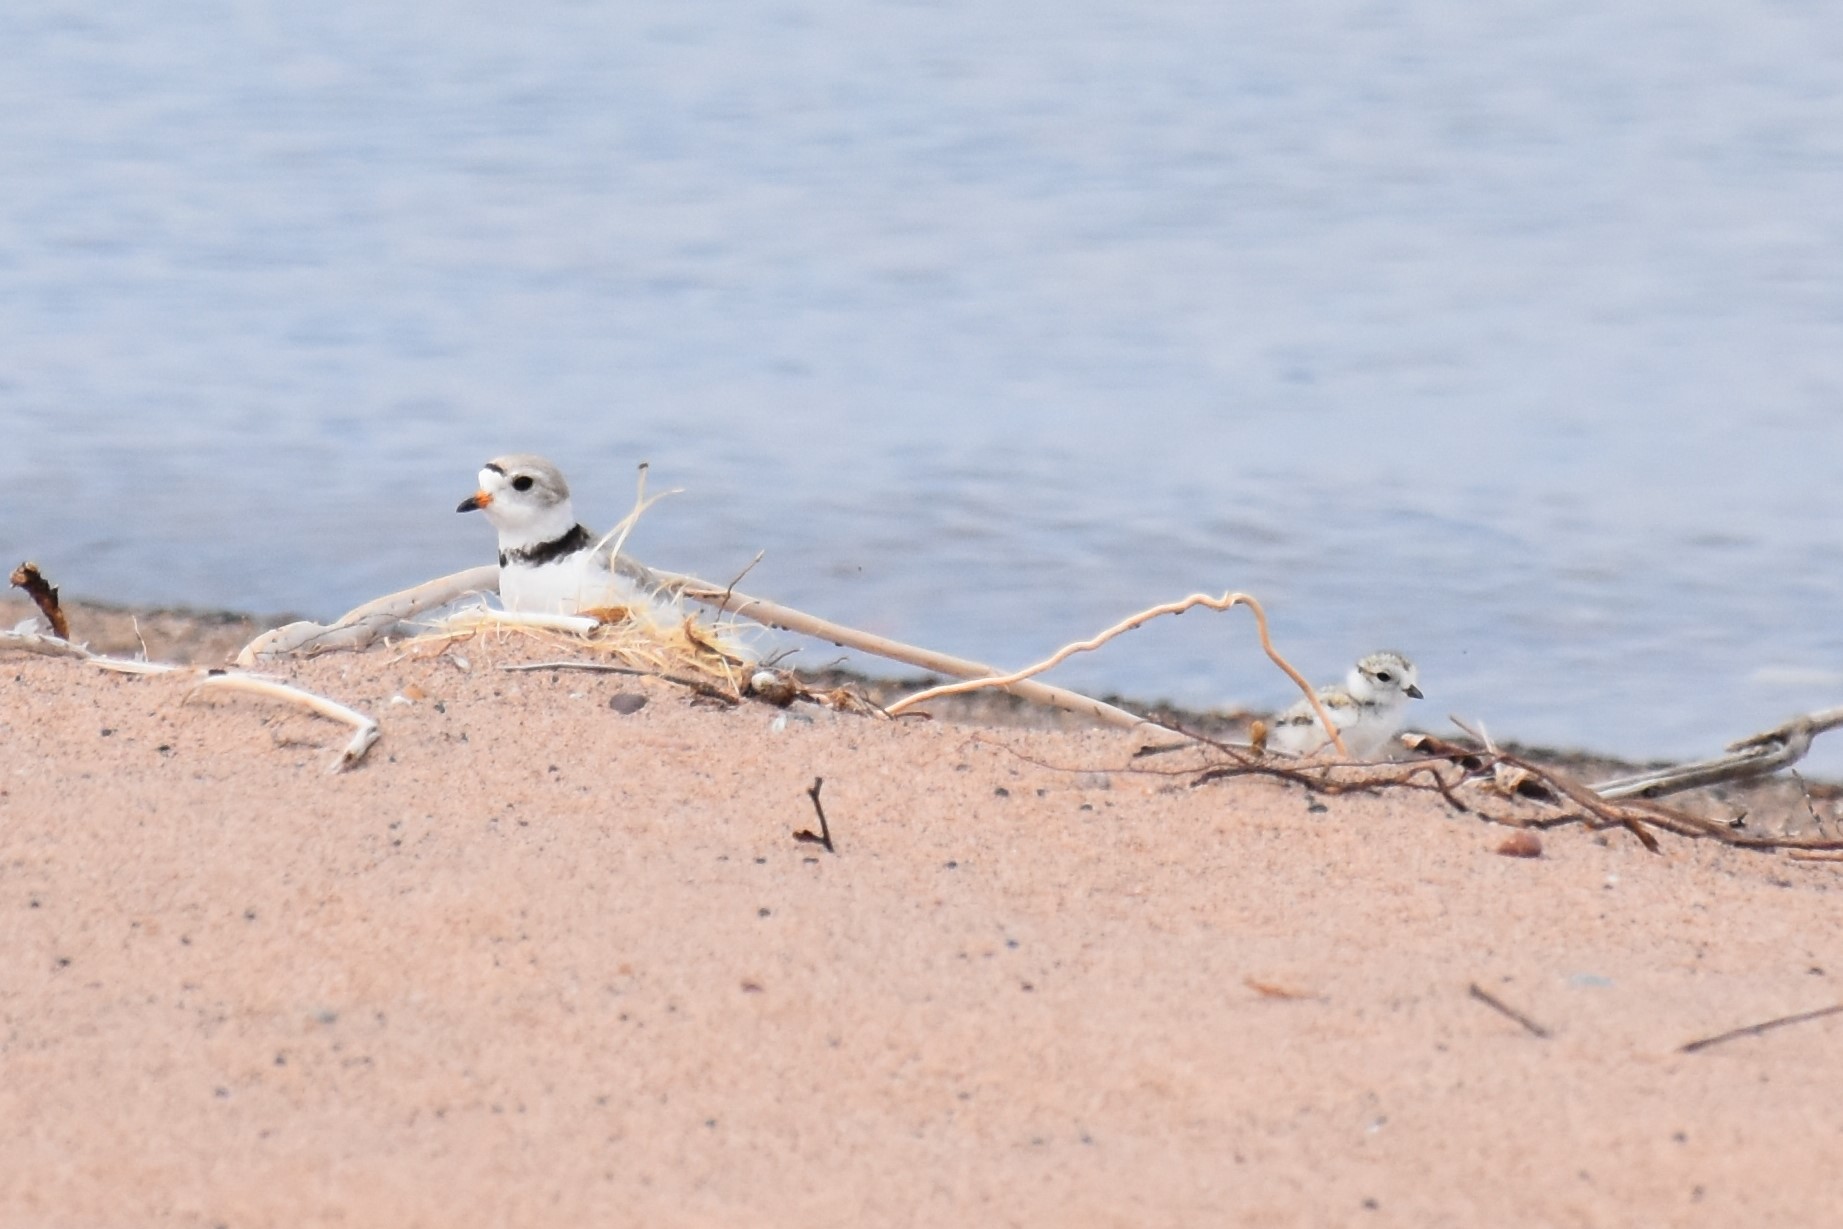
x=626 y=702
x=1522 y=844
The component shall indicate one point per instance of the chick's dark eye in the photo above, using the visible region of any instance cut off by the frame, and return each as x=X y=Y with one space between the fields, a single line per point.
x=522 y=482
x=1384 y=676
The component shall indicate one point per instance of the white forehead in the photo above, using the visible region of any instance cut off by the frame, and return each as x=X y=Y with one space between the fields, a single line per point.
x=501 y=472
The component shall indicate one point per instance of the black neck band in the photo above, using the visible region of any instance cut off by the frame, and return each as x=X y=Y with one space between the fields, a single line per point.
x=547 y=552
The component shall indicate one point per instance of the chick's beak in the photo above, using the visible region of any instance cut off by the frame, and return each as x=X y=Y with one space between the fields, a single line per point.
x=1414 y=691
x=474 y=502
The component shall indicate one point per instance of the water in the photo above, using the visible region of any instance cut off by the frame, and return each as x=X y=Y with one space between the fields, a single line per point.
x=1508 y=335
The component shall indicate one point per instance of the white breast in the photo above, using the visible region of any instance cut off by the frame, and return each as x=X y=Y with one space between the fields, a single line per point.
x=574 y=583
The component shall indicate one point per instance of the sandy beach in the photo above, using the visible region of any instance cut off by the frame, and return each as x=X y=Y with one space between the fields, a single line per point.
x=553 y=955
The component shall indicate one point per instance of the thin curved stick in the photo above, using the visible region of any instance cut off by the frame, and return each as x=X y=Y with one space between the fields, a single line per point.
x=1225 y=602
x=365 y=729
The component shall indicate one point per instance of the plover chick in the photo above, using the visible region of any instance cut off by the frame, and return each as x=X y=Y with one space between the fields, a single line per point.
x=548 y=560
x=1367 y=710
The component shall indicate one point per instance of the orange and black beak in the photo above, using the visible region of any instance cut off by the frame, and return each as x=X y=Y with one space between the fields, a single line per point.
x=474 y=502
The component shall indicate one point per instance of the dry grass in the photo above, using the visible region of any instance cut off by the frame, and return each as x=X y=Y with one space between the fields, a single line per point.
x=712 y=657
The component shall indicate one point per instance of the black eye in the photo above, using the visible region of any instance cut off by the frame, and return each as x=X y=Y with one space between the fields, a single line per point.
x=1383 y=676
x=522 y=482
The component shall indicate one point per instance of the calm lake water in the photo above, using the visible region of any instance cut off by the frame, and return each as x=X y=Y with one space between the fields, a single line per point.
x=1510 y=335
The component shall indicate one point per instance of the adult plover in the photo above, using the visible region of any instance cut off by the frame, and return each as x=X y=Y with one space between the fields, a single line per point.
x=1367 y=710
x=549 y=562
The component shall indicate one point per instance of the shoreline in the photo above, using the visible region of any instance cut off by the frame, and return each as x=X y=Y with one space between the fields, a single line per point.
x=191 y=636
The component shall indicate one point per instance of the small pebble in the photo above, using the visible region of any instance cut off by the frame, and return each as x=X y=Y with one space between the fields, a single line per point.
x=1521 y=845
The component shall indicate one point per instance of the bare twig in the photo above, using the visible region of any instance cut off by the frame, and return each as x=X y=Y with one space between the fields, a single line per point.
x=1626 y=817
x=1506 y=1010
x=134 y=665
x=1225 y=602
x=729 y=590
x=44 y=595
x=1637 y=816
x=594 y=667
x=824 y=835
x=1754 y=1030
x=604 y=667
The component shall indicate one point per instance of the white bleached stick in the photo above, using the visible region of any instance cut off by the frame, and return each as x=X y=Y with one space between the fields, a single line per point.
x=363 y=627
x=51 y=646
x=1753 y=756
x=365 y=729
x=45 y=646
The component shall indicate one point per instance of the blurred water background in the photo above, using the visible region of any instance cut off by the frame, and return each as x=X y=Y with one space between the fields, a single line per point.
x=1510 y=335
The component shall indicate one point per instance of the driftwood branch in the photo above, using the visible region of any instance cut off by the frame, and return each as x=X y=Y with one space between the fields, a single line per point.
x=772 y=614
x=44 y=646
x=365 y=626
x=1753 y=756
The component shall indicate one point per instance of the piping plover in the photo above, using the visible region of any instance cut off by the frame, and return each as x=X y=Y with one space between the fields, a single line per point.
x=549 y=562
x=1367 y=710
